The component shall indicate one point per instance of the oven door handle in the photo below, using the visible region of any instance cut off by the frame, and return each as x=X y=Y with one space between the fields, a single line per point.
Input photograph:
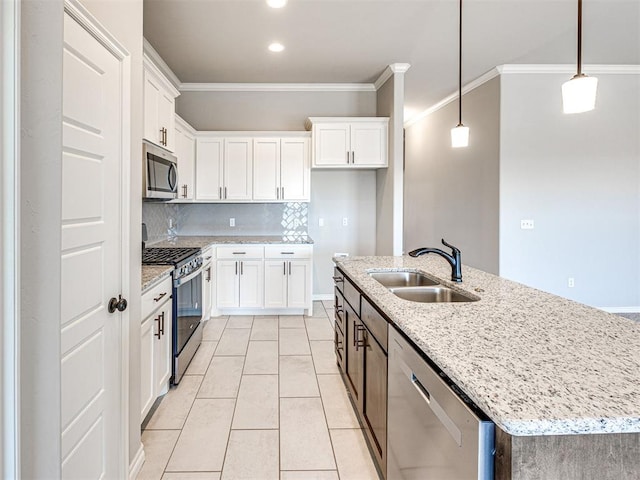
x=188 y=278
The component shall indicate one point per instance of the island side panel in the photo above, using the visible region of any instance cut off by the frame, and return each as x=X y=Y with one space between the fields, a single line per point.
x=569 y=457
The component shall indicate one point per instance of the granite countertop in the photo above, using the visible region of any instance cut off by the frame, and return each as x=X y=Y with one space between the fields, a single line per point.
x=153 y=274
x=535 y=363
x=205 y=241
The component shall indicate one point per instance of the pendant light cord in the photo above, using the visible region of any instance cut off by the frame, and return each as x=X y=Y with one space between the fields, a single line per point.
x=579 y=38
x=460 y=68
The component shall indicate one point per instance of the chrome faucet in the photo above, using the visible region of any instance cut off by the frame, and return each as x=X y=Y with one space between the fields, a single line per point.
x=453 y=258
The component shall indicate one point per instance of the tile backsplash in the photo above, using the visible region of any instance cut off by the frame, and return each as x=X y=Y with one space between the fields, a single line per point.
x=169 y=219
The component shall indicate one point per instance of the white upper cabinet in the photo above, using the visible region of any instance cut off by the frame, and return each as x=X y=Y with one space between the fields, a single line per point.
x=209 y=159
x=353 y=142
x=238 y=169
x=281 y=169
x=159 y=107
x=185 y=142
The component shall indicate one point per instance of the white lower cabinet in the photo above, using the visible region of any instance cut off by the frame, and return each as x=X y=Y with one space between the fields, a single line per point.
x=287 y=279
x=239 y=277
x=155 y=345
x=207 y=282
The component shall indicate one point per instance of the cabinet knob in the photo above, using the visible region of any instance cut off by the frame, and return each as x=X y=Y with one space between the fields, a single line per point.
x=119 y=304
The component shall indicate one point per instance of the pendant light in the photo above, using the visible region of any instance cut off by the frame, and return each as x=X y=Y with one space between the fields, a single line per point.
x=579 y=93
x=460 y=133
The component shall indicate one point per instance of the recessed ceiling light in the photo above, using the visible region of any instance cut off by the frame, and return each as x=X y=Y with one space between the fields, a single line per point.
x=276 y=3
x=276 y=47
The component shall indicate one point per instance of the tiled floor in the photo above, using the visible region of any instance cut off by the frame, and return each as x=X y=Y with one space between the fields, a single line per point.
x=261 y=400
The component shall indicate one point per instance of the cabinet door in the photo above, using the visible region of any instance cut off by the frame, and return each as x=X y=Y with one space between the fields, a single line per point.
x=227 y=286
x=299 y=288
x=166 y=118
x=238 y=169
x=275 y=283
x=251 y=283
x=207 y=284
x=151 y=98
x=355 y=355
x=331 y=144
x=209 y=154
x=185 y=152
x=266 y=168
x=369 y=144
x=162 y=349
x=375 y=397
x=146 y=367
x=295 y=170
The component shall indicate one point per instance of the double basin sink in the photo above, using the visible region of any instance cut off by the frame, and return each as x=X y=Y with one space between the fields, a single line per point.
x=417 y=287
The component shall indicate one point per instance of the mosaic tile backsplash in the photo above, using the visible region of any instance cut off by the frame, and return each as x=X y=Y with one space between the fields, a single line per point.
x=165 y=220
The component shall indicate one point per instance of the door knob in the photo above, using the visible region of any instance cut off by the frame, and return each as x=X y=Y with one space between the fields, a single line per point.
x=119 y=304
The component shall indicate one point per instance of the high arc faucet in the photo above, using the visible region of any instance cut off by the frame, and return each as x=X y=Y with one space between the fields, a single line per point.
x=453 y=258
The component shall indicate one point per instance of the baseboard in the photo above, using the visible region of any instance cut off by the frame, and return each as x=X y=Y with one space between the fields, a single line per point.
x=322 y=296
x=136 y=464
x=620 y=309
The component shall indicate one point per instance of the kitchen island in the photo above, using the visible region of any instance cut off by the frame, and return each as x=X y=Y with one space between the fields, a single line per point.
x=560 y=380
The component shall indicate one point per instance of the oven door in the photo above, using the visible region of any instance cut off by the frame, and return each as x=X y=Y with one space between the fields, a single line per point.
x=187 y=298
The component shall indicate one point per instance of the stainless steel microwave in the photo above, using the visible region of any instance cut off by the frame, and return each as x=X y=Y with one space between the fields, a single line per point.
x=160 y=178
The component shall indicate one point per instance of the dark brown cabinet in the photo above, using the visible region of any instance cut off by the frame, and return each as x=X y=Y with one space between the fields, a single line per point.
x=355 y=356
x=374 y=409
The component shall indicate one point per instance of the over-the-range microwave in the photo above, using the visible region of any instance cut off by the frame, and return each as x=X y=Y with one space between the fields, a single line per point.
x=160 y=177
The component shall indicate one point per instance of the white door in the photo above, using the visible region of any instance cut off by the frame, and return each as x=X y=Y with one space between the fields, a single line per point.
x=369 y=143
x=251 y=283
x=266 y=168
x=91 y=257
x=227 y=287
x=161 y=350
x=238 y=170
x=166 y=119
x=151 y=96
x=332 y=144
x=146 y=366
x=275 y=283
x=209 y=153
x=299 y=283
x=294 y=169
x=185 y=152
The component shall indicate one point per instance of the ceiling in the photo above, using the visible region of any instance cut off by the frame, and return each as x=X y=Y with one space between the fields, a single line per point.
x=352 y=41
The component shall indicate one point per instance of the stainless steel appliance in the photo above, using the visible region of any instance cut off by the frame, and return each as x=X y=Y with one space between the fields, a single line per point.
x=160 y=178
x=432 y=432
x=187 y=302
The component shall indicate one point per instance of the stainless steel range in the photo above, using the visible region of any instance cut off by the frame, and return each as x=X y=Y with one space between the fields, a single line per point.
x=187 y=301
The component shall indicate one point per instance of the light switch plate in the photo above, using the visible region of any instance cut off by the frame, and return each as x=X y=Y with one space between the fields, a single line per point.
x=526 y=224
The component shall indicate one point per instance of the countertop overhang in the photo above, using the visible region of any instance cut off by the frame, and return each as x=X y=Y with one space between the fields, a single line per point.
x=535 y=363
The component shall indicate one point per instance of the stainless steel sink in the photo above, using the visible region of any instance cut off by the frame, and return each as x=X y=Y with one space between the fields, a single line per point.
x=436 y=294
x=402 y=279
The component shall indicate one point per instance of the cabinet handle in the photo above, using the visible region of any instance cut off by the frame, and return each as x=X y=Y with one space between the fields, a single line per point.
x=353 y=157
x=359 y=342
x=239 y=253
x=160 y=321
x=338 y=279
x=241 y=268
x=159 y=297
x=284 y=268
x=225 y=193
x=220 y=192
x=184 y=191
x=282 y=196
x=236 y=268
x=347 y=157
x=277 y=193
x=289 y=268
x=287 y=253
x=208 y=274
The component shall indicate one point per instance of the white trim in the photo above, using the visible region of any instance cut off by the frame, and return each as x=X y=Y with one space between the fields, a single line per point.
x=389 y=71
x=159 y=63
x=10 y=239
x=151 y=68
x=88 y=22
x=182 y=123
x=253 y=133
x=277 y=87
x=318 y=297
x=514 y=69
x=635 y=309
x=136 y=463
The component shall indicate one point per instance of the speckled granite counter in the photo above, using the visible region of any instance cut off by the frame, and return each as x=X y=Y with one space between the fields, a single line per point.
x=152 y=274
x=205 y=241
x=535 y=363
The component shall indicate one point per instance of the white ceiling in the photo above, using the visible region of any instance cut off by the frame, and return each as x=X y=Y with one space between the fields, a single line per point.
x=352 y=41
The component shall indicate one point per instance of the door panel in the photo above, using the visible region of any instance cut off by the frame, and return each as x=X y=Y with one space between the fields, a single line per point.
x=275 y=284
x=368 y=142
x=251 y=284
x=332 y=144
x=294 y=169
x=151 y=98
x=299 y=288
x=266 y=168
x=209 y=152
x=238 y=168
x=91 y=257
x=227 y=287
x=354 y=356
x=375 y=401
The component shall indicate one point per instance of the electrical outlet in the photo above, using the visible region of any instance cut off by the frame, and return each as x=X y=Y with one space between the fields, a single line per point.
x=321 y=222
x=526 y=224
x=345 y=222
x=571 y=282
x=232 y=222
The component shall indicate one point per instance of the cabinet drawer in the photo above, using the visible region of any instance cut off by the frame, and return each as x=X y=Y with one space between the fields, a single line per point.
x=338 y=279
x=352 y=296
x=156 y=297
x=288 y=251
x=240 y=251
x=375 y=322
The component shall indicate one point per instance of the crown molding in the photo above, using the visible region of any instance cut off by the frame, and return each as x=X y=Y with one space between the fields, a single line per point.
x=389 y=72
x=515 y=69
x=277 y=87
x=160 y=64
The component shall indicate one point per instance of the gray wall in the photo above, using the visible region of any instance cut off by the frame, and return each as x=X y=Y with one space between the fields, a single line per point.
x=453 y=193
x=578 y=178
x=334 y=194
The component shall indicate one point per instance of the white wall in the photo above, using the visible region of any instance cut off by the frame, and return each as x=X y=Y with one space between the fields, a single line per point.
x=578 y=178
x=453 y=193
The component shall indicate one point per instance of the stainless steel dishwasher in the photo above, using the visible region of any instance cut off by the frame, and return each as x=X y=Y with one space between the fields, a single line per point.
x=432 y=433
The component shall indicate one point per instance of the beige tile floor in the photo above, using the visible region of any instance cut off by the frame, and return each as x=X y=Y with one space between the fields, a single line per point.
x=261 y=400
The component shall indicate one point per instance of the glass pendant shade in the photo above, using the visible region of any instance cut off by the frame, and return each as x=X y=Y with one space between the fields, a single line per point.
x=579 y=94
x=460 y=136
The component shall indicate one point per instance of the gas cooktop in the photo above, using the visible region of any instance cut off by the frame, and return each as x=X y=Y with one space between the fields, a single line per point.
x=167 y=256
